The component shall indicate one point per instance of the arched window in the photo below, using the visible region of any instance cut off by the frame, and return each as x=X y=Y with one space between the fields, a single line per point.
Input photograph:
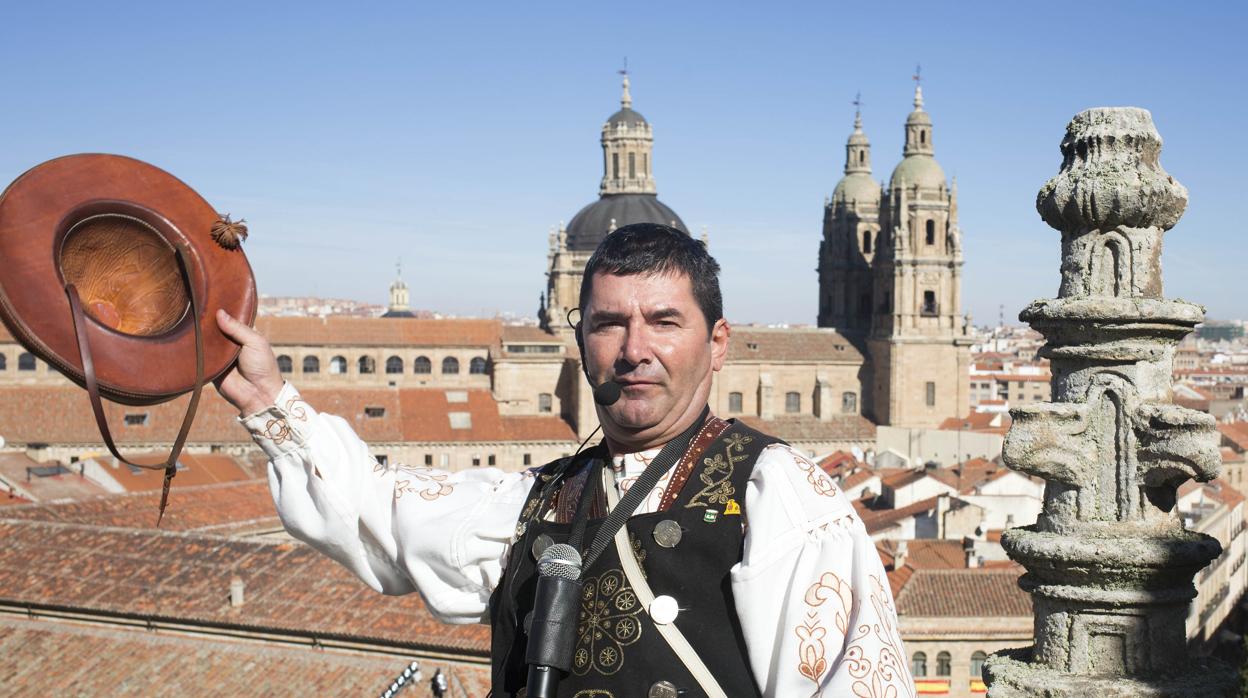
x=944 y=665
x=338 y=365
x=632 y=166
x=849 y=403
x=918 y=664
x=930 y=227
x=866 y=241
x=977 y=665
x=284 y=364
x=862 y=156
x=615 y=165
x=544 y=402
x=792 y=402
x=394 y=365
x=367 y=364
x=477 y=365
x=26 y=361
x=734 y=403
x=4 y=362
x=450 y=365
x=311 y=364
x=922 y=136
x=422 y=364
x=645 y=164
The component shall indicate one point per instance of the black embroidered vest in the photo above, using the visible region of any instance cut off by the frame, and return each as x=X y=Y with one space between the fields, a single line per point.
x=618 y=651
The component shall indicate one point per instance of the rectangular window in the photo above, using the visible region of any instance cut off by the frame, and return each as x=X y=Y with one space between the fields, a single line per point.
x=374 y=412
x=476 y=460
x=931 y=394
x=792 y=403
x=929 y=303
x=490 y=459
x=849 y=403
x=615 y=165
x=444 y=460
x=734 y=403
x=136 y=420
x=383 y=460
x=544 y=402
x=428 y=459
x=528 y=459
x=632 y=166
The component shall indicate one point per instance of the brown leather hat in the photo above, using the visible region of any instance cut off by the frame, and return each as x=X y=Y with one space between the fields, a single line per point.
x=111 y=226
x=112 y=270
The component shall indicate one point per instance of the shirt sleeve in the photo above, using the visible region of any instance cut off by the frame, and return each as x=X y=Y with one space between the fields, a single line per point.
x=400 y=528
x=833 y=630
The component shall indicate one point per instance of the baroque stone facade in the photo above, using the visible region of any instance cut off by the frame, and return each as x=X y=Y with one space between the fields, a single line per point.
x=890 y=277
x=1109 y=562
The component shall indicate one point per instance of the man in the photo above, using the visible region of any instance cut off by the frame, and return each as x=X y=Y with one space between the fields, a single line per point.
x=794 y=603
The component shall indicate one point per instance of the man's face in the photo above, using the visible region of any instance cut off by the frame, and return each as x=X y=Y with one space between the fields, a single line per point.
x=647 y=333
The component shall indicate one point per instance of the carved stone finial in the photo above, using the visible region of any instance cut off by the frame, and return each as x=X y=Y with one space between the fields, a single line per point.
x=1109 y=562
x=1111 y=175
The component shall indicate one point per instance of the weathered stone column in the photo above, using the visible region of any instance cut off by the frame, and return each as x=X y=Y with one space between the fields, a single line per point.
x=1109 y=564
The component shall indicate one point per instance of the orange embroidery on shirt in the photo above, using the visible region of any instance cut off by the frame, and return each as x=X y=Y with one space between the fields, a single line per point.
x=818 y=479
x=427 y=482
x=811 y=661
x=887 y=676
x=296 y=408
x=277 y=431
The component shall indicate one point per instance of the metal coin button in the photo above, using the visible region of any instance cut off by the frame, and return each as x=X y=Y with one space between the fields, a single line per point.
x=667 y=533
x=662 y=689
x=663 y=610
x=542 y=542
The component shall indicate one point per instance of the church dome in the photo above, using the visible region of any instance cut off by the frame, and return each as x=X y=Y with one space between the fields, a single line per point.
x=922 y=170
x=859 y=187
x=627 y=117
x=592 y=223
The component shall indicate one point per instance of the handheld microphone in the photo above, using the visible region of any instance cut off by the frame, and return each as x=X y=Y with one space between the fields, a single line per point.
x=607 y=394
x=552 y=633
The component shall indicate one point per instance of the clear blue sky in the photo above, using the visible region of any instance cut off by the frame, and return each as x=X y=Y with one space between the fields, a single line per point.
x=455 y=135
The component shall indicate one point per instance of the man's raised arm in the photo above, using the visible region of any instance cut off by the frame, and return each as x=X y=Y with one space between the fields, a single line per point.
x=398 y=527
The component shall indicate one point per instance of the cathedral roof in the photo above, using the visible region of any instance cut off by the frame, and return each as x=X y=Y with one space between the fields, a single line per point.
x=628 y=117
x=858 y=186
x=922 y=170
x=592 y=223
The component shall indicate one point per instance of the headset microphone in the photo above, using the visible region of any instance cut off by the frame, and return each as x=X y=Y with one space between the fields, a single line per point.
x=607 y=394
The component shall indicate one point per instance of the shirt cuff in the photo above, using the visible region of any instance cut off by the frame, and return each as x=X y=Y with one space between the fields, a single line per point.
x=283 y=427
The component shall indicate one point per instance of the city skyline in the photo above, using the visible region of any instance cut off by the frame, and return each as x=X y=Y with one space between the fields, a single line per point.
x=456 y=139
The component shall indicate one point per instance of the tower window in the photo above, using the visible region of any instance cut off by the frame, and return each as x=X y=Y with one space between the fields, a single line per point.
x=632 y=165
x=931 y=232
x=862 y=157
x=931 y=394
x=311 y=364
x=645 y=164
x=866 y=241
x=615 y=165
x=734 y=403
x=284 y=364
x=922 y=136
x=792 y=402
x=929 y=303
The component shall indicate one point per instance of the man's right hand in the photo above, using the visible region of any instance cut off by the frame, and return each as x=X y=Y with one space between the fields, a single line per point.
x=254 y=381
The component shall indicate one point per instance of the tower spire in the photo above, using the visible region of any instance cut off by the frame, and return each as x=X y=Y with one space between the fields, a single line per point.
x=626 y=100
x=918 y=88
x=857 y=112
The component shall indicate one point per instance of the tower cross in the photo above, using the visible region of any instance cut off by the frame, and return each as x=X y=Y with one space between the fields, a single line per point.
x=918 y=75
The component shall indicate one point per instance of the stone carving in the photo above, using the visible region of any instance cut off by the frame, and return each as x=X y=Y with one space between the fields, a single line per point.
x=1109 y=563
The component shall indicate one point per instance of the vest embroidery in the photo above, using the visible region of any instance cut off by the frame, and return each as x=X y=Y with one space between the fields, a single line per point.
x=608 y=622
x=717 y=472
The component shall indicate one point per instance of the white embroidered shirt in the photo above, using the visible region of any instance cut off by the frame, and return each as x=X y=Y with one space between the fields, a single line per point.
x=811 y=594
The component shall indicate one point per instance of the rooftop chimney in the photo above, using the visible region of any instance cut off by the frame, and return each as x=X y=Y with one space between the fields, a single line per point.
x=236 y=592
x=899 y=557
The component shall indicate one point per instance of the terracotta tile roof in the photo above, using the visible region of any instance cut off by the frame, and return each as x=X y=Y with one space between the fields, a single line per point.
x=353 y=331
x=990 y=422
x=804 y=344
x=234 y=508
x=49 y=657
x=1236 y=433
x=289 y=587
x=964 y=593
x=199 y=469
x=925 y=553
x=528 y=333
x=62 y=414
x=810 y=428
x=856 y=478
x=880 y=519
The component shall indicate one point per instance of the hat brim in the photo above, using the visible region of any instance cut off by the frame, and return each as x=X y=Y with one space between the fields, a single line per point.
x=37 y=211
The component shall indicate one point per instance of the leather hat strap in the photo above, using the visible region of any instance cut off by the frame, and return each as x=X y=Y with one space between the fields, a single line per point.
x=93 y=389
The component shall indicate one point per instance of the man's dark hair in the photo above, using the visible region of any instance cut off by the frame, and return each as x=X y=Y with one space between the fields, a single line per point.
x=652 y=248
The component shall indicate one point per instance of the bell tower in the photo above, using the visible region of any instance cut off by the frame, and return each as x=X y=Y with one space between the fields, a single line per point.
x=851 y=228
x=627 y=144
x=919 y=346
